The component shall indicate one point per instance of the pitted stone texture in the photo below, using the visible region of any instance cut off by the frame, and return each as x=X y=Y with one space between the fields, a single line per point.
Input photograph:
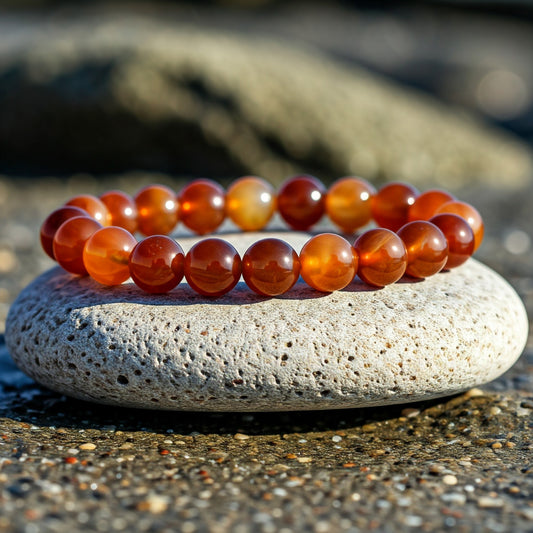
x=242 y=352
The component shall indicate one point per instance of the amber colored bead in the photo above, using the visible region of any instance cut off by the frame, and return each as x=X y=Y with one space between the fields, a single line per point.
x=425 y=205
x=459 y=235
x=390 y=206
x=382 y=257
x=470 y=214
x=157 y=210
x=301 y=201
x=250 y=203
x=156 y=264
x=212 y=267
x=427 y=248
x=270 y=267
x=328 y=262
x=94 y=206
x=202 y=206
x=122 y=209
x=106 y=254
x=70 y=240
x=52 y=223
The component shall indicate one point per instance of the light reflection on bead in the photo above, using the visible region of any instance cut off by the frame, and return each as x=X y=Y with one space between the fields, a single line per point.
x=427 y=203
x=459 y=236
x=157 y=210
x=94 y=206
x=470 y=214
x=122 y=209
x=390 y=206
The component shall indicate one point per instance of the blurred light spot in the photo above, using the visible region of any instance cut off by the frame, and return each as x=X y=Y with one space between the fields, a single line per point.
x=364 y=196
x=8 y=261
x=170 y=205
x=517 y=242
x=316 y=195
x=218 y=201
x=128 y=211
x=266 y=197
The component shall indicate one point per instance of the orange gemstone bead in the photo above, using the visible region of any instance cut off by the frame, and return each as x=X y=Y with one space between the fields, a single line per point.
x=425 y=205
x=157 y=210
x=390 y=206
x=106 y=254
x=156 y=264
x=348 y=203
x=70 y=240
x=212 y=267
x=459 y=235
x=328 y=262
x=94 y=206
x=427 y=248
x=250 y=203
x=202 y=206
x=470 y=214
x=382 y=257
x=301 y=201
x=270 y=267
x=52 y=223
x=122 y=209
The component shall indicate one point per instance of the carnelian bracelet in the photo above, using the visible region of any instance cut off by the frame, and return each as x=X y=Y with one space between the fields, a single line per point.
x=418 y=235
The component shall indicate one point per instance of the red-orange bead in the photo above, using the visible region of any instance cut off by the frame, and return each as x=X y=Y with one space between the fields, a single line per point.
x=328 y=262
x=70 y=240
x=52 y=223
x=459 y=235
x=106 y=254
x=382 y=257
x=390 y=206
x=425 y=205
x=348 y=203
x=270 y=267
x=156 y=264
x=301 y=201
x=202 y=206
x=212 y=267
x=157 y=210
x=250 y=203
x=470 y=214
x=122 y=209
x=427 y=248
x=94 y=206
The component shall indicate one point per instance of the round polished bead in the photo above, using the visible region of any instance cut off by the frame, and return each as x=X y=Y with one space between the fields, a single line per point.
x=122 y=209
x=328 y=262
x=390 y=206
x=382 y=257
x=52 y=223
x=212 y=267
x=301 y=201
x=70 y=240
x=106 y=254
x=157 y=210
x=270 y=267
x=348 y=203
x=427 y=248
x=470 y=214
x=250 y=203
x=425 y=205
x=94 y=206
x=459 y=235
x=202 y=206
x=156 y=264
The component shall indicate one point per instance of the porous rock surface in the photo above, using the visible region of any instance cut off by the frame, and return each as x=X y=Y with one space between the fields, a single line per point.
x=242 y=352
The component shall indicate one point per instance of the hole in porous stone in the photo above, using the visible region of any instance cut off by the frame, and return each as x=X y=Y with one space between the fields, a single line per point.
x=37 y=362
x=72 y=366
x=112 y=347
x=324 y=393
x=154 y=400
x=70 y=338
x=122 y=380
x=137 y=372
x=298 y=393
x=288 y=344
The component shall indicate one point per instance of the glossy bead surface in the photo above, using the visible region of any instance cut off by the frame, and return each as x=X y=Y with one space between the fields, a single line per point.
x=328 y=262
x=470 y=214
x=157 y=210
x=270 y=267
x=106 y=254
x=212 y=267
x=390 y=206
x=52 y=223
x=156 y=264
x=348 y=203
x=427 y=203
x=250 y=203
x=70 y=240
x=301 y=201
x=459 y=235
x=94 y=206
x=427 y=248
x=382 y=257
x=122 y=209
x=202 y=206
